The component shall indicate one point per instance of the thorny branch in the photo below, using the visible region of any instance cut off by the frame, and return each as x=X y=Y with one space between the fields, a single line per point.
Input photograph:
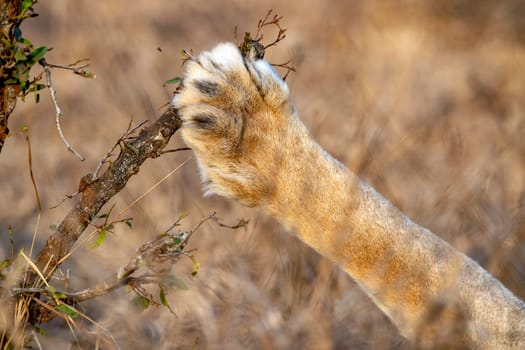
x=166 y=247
x=95 y=193
x=126 y=136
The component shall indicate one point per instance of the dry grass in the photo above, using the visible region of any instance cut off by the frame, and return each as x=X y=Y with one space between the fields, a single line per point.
x=424 y=101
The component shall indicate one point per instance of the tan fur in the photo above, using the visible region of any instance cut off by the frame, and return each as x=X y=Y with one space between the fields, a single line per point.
x=240 y=121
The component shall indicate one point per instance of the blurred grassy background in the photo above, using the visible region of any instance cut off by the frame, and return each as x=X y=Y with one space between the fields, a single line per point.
x=425 y=100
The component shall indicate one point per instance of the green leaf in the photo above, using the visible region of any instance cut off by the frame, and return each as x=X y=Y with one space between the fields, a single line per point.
x=37 y=54
x=26 y=5
x=56 y=294
x=176 y=240
x=103 y=216
x=21 y=69
x=109 y=227
x=141 y=302
x=24 y=85
x=128 y=222
x=59 y=295
x=172 y=81
x=53 y=227
x=24 y=41
x=67 y=310
x=162 y=296
x=100 y=239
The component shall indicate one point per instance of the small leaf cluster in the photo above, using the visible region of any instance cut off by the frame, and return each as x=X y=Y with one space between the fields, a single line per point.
x=60 y=305
x=20 y=55
x=107 y=227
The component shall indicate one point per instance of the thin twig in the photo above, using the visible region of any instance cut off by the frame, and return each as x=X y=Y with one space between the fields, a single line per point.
x=66 y=197
x=30 y=163
x=58 y=111
x=163 y=247
x=35 y=338
x=253 y=48
x=167 y=246
x=176 y=223
x=286 y=65
x=37 y=195
x=267 y=22
x=241 y=223
x=74 y=67
x=109 y=154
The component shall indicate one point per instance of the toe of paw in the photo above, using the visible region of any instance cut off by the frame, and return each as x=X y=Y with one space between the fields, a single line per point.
x=272 y=87
x=211 y=120
x=202 y=121
x=199 y=116
x=207 y=87
x=224 y=57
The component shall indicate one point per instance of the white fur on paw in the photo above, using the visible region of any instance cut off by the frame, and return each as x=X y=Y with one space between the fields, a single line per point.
x=268 y=74
x=226 y=55
x=213 y=67
x=272 y=85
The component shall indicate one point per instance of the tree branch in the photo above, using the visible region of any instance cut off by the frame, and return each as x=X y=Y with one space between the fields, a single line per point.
x=95 y=193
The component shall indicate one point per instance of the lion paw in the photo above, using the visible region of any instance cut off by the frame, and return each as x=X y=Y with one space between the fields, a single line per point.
x=234 y=112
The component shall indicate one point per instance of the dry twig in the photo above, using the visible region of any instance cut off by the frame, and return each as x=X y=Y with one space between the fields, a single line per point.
x=253 y=48
x=58 y=110
x=123 y=138
x=266 y=21
x=75 y=67
x=151 y=255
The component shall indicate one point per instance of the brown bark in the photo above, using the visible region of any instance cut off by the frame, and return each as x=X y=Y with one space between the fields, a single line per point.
x=9 y=12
